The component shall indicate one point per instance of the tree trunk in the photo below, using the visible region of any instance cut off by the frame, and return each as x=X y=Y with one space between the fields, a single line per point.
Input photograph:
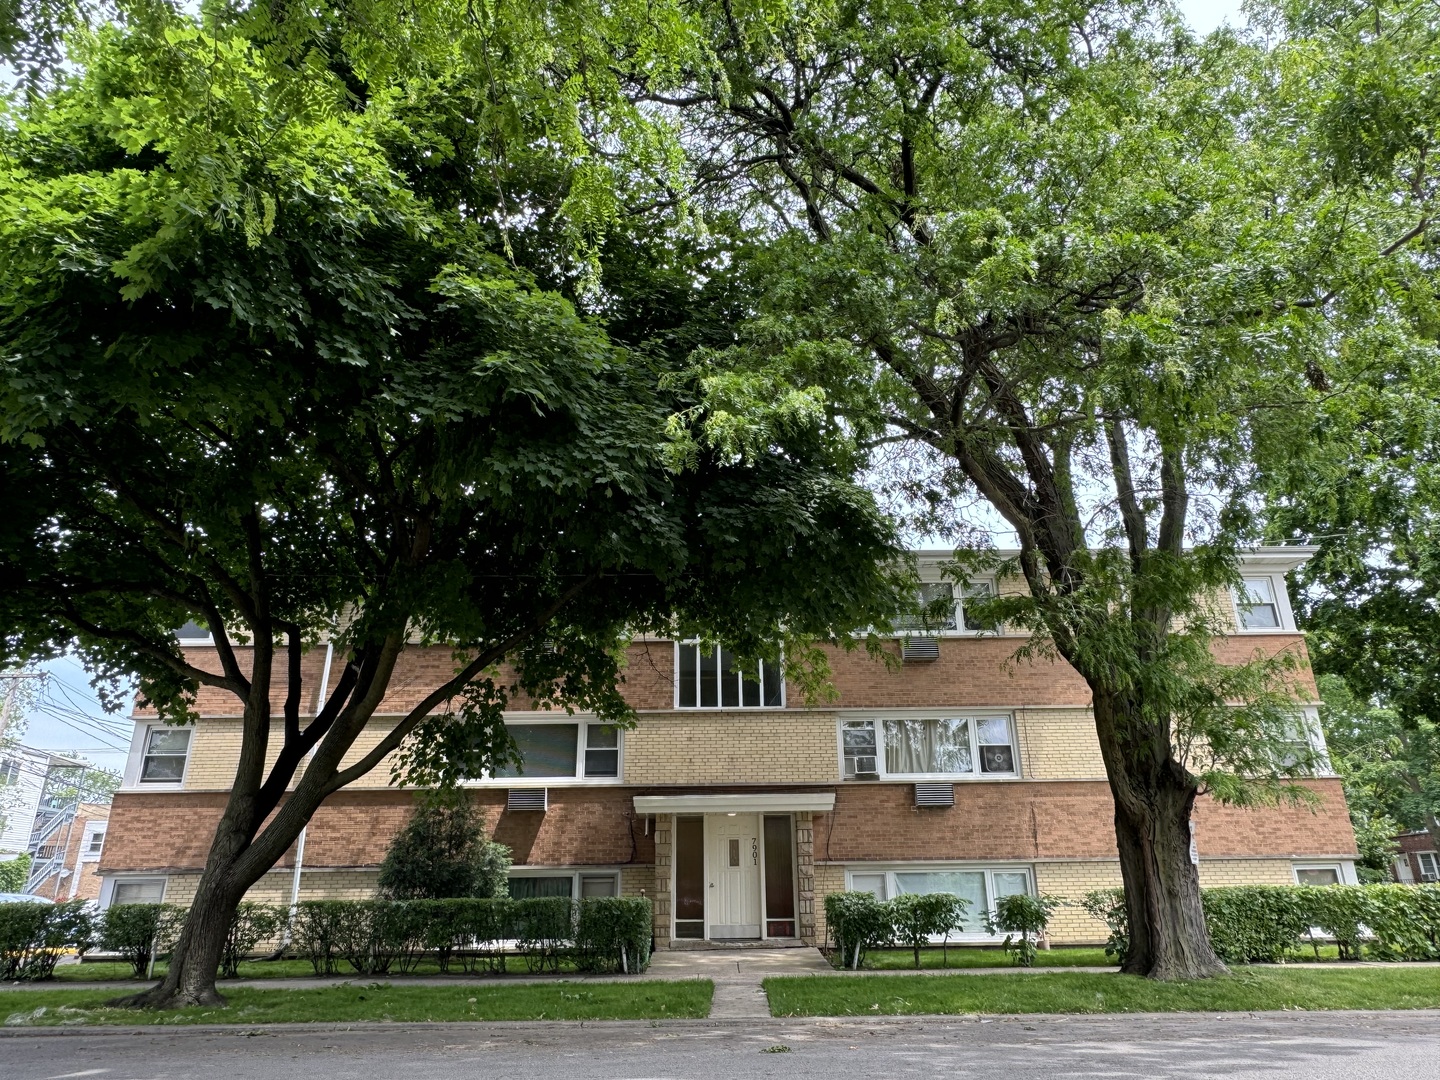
x=195 y=960
x=1153 y=804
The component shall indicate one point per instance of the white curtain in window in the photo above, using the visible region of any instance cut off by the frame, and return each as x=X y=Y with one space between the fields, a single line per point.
x=927 y=746
x=966 y=884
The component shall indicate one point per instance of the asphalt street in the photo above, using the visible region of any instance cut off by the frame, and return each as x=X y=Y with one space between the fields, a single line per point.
x=1315 y=1046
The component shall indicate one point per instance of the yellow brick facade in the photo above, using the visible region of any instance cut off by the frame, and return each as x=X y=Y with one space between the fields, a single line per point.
x=710 y=747
x=1058 y=744
x=215 y=754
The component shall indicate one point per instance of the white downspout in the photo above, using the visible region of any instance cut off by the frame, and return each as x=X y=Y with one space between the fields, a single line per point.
x=300 y=841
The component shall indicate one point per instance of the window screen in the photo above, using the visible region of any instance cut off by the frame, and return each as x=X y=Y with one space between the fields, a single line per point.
x=545 y=750
x=164 y=760
x=1318 y=875
x=1256 y=605
x=149 y=891
x=602 y=750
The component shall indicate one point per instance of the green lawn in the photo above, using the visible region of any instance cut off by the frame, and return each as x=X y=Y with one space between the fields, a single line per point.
x=971 y=957
x=380 y=1001
x=108 y=970
x=1086 y=992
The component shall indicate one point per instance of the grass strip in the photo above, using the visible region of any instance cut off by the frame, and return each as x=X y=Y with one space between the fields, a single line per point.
x=380 y=1002
x=1085 y=992
x=972 y=957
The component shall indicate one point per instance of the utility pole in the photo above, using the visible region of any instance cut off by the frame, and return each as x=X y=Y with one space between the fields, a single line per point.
x=12 y=691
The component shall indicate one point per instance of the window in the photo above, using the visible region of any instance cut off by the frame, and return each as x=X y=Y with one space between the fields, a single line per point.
x=1317 y=875
x=928 y=746
x=564 y=751
x=1256 y=606
x=192 y=633
x=981 y=886
x=9 y=770
x=973 y=623
x=164 y=757
x=564 y=883
x=95 y=842
x=1429 y=866
x=937 y=609
x=710 y=678
x=138 y=891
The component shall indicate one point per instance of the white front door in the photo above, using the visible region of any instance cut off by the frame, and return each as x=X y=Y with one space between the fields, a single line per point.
x=733 y=872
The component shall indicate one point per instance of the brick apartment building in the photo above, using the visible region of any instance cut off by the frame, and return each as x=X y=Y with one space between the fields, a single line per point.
x=1417 y=861
x=736 y=807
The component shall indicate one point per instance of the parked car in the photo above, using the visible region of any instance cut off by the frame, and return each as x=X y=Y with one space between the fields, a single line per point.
x=22 y=898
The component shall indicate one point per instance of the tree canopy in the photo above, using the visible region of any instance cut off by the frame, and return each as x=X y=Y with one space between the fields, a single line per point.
x=296 y=370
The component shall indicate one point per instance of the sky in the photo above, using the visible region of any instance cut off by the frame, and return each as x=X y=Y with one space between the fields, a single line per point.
x=68 y=715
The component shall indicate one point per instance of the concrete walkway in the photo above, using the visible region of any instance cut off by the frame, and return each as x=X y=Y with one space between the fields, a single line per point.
x=737 y=974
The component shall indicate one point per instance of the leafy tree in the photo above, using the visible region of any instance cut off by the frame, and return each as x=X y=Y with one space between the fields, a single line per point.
x=1096 y=273
x=442 y=853
x=1391 y=768
x=273 y=364
x=14 y=873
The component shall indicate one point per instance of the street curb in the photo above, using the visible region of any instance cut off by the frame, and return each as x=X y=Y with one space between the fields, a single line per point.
x=748 y=1023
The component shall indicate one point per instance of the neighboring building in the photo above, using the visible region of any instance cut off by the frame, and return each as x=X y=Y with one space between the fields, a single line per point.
x=1417 y=861
x=24 y=773
x=736 y=807
x=72 y=852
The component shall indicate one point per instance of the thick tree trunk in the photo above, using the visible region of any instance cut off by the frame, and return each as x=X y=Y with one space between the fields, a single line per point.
x=1153 y=803
x=195 y=960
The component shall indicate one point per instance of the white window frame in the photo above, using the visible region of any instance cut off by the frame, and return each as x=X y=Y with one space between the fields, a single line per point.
x=1283 y=614
x=195 y=640
x=575 y=874
x=92 y=830
x=760 y=672
x=1341 y=877
x=583 y=723
x=1434 y=860
x=973 y=717
x=107 y=889
x=986 y=586
x=135 y=764
x=972 y=915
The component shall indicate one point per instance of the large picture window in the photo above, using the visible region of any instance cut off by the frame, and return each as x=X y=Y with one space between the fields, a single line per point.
x=711 y=678
x=938 y=746
x=982 y=887
x=579 y=751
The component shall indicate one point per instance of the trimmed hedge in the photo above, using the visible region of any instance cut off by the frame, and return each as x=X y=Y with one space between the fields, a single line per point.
x=858 y=922
x=375 y=937
x=140 y=932
x=33 y=937
x=1271 y=923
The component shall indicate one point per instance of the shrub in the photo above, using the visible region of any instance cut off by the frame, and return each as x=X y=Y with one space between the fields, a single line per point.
x=140 y=932
x=252 y=924
x=442 y=853
x=1108 y=905
x=1257 y=923
x=859 y=923
x=1342 y=912
x=1020 y=914
x=1405 y=921
x=916 y=917
x=543 y=927
x=316 y=932
x=33 y=937
x=612 y=933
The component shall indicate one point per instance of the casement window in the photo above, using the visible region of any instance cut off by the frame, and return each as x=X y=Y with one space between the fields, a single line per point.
x=579 y=883
x=1318 y=875
x=1257 y=605
x=578 y=751
x=163 y=757
x=941 y=613
x=138 y=891
x=1429 y=866
x=981 y=886
x=929 y=747
x=710 y=677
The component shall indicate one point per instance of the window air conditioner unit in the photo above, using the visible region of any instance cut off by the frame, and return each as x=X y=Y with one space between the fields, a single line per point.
x=919 y=650
x=865 y=768
x=527 y=799
x=934 y=794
